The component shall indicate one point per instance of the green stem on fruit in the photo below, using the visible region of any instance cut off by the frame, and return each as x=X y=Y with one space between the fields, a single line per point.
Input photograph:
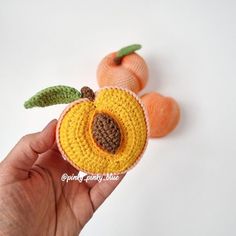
x=125 y=51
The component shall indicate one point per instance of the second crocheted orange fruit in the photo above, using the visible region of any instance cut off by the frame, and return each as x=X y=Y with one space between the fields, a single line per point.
x=163 y=113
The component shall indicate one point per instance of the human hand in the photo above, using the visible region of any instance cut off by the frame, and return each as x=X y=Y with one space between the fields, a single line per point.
x=34 y=200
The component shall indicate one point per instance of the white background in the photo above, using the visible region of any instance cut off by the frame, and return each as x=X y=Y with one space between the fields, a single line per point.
x=186 y=182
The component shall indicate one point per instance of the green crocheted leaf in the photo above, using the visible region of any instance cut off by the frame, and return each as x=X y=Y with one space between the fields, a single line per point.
x=53 y=95
x=128 y=50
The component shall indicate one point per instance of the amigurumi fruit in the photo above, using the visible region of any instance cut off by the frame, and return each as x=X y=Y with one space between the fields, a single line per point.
x=163 y=113
x=99 y=133
x=124 y=68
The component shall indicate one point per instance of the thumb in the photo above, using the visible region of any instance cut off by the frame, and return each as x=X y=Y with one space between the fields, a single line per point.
x=25 y=153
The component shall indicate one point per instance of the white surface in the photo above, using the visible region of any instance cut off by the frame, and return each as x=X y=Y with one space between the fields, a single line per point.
x=186 y=182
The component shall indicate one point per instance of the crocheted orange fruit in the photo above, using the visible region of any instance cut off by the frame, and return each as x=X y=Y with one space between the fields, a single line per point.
x=163 y=113
x=99 y=133
x=124 y=68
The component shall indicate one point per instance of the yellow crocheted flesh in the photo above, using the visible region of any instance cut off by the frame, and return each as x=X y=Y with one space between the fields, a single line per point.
x=78 y=145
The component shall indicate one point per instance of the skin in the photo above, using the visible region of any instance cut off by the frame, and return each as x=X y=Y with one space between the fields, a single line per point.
x=163 y=113
x=34 y=200
x=131 y=74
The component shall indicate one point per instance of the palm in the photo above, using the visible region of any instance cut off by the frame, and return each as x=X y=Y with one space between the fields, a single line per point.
x=64 y=200
x=49 y=205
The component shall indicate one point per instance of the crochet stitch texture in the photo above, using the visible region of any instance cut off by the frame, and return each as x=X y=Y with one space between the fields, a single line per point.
x=53 y=95
x=75 y=135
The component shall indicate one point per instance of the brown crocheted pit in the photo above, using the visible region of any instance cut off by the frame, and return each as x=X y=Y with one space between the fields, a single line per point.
x=106 y=132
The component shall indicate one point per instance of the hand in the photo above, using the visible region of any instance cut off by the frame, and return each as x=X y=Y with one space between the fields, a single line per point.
x=34 y=200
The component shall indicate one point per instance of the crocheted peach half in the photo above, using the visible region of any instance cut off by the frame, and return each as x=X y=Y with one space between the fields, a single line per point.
x=104 y=136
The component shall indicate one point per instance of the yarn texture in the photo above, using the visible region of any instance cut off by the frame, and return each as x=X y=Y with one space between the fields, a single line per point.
x=53 y=95
x=106 y=132
x=126 y=51
x=132 y=74
x=75 y=134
